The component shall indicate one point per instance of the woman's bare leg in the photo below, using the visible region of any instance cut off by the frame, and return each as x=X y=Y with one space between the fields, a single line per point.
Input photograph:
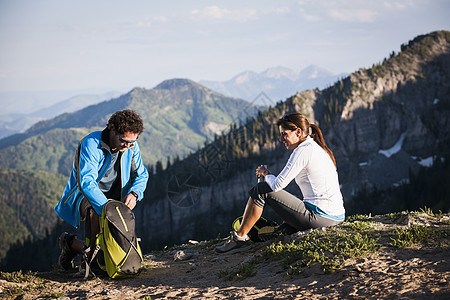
x=252 y=213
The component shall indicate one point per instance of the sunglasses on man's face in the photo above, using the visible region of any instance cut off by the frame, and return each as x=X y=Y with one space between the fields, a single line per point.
x=123 y=141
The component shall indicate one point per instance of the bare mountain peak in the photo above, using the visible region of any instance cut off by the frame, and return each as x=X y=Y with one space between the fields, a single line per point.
x=280 y=72
x=136 y=90
x=276 y=82
x=313 y=71
x=175 y=83
x=244 y=77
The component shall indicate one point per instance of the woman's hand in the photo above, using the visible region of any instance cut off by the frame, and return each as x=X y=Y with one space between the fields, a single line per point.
x=262 y=171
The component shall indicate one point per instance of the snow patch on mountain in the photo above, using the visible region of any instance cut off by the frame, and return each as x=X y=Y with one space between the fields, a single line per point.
x=394 y=149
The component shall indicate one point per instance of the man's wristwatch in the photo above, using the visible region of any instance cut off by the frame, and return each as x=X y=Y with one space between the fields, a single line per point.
x=134 y=194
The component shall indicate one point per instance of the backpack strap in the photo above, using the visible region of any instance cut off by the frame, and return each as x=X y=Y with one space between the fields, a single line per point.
x=77 y=167
x=133 y=172
x=88 y=261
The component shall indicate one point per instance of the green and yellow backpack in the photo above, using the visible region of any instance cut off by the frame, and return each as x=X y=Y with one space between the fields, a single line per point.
x=117 y=247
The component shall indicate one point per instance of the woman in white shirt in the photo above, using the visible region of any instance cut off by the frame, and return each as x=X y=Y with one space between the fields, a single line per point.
x=313 y=167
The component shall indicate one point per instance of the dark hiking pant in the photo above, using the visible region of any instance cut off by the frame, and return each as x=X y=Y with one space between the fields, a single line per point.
x=291 y=209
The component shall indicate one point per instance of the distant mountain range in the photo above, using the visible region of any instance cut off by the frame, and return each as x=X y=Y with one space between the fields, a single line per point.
x=179 y=116
x=273 y=84
x=12 y=123
x=264 y=89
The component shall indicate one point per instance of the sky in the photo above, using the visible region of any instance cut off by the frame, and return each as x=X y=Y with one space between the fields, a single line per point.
x=104 y=45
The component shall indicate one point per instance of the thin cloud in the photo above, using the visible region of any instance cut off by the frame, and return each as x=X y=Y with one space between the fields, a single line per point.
x=282 y=10
x=350 y=10
x=398 y=5
x=224 y=14
x=150 y=21
x=213 y=13
x=243 y=15
x=353 y=15
x=308 y=16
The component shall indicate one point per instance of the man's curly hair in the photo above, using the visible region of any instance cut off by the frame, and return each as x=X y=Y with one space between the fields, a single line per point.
x=125 y=121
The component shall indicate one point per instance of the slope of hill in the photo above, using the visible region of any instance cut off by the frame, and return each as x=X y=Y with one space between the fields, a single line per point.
x=277 y=83
x=179 y=116
x=27 y=199
x=396 y=256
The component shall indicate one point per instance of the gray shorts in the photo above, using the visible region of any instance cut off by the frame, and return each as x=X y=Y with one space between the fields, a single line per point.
x=291 y=209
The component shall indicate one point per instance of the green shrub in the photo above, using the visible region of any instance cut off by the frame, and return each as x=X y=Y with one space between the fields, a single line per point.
x=407 y=237
x=245 y=270
x=329 y=248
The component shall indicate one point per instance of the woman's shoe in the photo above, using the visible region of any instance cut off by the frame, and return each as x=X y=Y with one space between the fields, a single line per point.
x=234 y=241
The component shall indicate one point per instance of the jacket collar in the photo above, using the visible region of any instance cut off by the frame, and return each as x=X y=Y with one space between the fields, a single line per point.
x=105 y=140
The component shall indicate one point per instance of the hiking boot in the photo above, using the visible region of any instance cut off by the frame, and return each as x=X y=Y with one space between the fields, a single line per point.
x=67 y=255
x=233 y=242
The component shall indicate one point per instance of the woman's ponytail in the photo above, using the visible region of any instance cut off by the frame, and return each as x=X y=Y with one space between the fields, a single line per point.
x=316 y=134
x=296 y=120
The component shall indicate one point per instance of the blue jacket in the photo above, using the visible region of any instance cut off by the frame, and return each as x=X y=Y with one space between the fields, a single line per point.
x=92 y=159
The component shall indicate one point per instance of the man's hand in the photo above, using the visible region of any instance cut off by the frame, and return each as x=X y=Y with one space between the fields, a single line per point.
x=130 y=200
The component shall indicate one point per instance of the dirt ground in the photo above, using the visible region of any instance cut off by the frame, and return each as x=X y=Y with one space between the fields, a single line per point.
x=388 y=274
x=417 y=272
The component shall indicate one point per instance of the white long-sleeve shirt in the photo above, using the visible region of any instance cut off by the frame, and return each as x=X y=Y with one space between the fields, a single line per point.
x=316 y=176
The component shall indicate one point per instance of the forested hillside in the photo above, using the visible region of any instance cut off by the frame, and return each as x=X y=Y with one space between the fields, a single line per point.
x=27 y=199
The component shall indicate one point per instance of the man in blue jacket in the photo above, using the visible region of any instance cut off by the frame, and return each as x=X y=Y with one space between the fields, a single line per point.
x=107 y=165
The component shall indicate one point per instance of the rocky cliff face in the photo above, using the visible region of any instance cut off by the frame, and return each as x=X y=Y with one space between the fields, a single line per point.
x=395 y=115
x=381 y=124
x=384 y=121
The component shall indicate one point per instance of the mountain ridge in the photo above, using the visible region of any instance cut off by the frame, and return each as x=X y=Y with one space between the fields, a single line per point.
x=18 y=123
x=277 y=82
x=179 y=115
